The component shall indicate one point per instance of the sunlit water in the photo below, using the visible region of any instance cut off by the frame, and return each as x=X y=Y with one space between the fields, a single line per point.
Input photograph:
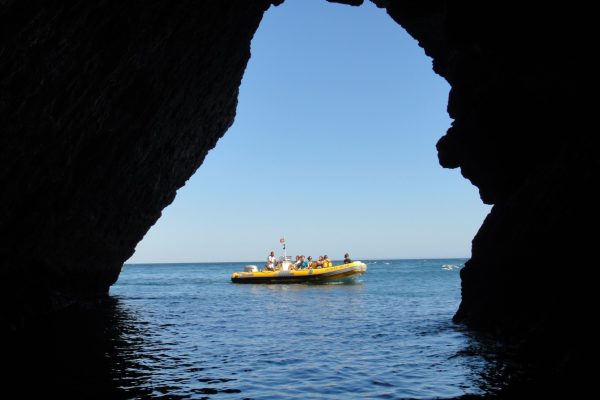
x=184 y=330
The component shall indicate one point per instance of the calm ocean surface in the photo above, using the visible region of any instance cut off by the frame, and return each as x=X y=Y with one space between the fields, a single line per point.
x=185 y=331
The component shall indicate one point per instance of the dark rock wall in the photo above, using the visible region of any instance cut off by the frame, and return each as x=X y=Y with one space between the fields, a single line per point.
x=107 y=108
x=519 y=78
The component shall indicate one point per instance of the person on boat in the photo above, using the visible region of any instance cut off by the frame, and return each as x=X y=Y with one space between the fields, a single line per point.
x=303 y=263
x=347 y=259
x=327 y=261
x=271 y=262
x=320 y=262
x=297 y=263
x=310 y=262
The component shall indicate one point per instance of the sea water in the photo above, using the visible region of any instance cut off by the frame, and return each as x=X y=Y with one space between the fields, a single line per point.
x=186 y=331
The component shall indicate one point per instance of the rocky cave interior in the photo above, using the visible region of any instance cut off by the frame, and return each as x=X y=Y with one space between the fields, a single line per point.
x=108 y=108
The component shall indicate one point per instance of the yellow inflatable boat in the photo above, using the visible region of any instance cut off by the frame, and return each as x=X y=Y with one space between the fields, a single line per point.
x=336 y=272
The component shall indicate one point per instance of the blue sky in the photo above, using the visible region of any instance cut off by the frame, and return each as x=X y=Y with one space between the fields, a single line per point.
x=333 y=146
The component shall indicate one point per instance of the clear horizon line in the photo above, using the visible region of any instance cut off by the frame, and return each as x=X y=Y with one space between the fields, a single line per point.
x=257 y=261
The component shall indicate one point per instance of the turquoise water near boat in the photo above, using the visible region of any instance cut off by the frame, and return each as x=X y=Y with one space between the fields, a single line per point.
x=187 y=331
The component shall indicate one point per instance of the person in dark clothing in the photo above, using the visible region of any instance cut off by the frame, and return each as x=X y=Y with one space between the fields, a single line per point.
x=347 y=259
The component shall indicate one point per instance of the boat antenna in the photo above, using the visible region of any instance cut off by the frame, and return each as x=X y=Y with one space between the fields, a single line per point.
x=282 y=241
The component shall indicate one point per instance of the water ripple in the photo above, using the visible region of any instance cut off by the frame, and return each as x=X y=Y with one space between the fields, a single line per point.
x=184 y=331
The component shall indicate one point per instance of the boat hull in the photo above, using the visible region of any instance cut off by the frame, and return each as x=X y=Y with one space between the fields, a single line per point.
x=335 y=273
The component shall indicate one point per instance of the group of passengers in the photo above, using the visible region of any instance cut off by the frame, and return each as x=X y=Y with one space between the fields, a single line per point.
x=304 y=263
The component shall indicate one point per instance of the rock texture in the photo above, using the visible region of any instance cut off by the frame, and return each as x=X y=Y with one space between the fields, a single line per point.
x=107 y=108
x=519 y=134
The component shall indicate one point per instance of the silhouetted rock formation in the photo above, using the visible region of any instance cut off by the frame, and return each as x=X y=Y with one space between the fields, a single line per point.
x=106 y=109
x=519 y=134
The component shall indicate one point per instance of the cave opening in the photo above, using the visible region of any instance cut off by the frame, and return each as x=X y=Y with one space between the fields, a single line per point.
x=337 y=119
x=333 y=146
x=107 y=109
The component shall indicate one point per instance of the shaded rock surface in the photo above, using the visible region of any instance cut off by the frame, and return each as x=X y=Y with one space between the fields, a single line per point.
x=107 y=108
x=520 y=134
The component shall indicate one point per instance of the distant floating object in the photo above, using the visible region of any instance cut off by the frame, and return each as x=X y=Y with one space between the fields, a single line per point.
x=449 y=267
